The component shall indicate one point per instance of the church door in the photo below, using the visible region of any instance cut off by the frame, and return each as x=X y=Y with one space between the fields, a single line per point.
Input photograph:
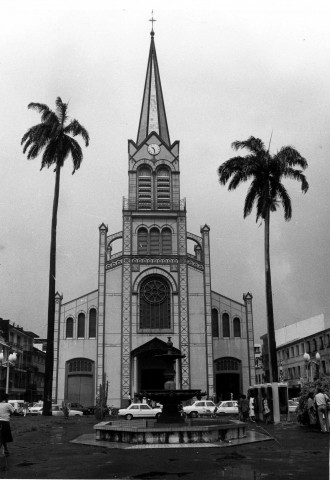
x=228 y=379
x=80 y=382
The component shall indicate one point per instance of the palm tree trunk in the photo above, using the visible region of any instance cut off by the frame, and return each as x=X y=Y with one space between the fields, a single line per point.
x=49 y=364
x=270 y=313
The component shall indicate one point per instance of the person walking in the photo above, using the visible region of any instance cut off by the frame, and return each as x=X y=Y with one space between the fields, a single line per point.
x=245 y=408
x=311 y=409
x=252 y=416
x=265 y=409
x=321 y=400
x=5 y=411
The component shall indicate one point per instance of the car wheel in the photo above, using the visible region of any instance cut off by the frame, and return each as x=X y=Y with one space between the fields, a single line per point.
x=77 y=415
x=129 y=417
x=158 y=415
x=194 y=414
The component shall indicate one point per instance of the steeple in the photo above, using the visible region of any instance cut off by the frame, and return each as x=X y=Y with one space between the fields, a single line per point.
x=153 y=115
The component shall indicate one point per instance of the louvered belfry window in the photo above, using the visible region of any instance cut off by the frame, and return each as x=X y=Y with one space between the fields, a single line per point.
x=142 y=240
x=155 y=304
x=154 y=241
x=144 y=189
x=163 y=189
x=166 y=241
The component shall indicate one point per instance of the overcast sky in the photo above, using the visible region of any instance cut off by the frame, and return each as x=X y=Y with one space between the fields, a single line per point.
x=229 y=69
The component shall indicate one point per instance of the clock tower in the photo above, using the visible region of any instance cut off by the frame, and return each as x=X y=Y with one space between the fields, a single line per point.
x=164 y=290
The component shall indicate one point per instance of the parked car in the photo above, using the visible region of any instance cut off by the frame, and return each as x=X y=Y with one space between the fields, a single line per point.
x=37 y=407
x=139 y=410
x=18 y=406
x=227 y=407
x=57 y=411
x=201 y=407
x=293 y=406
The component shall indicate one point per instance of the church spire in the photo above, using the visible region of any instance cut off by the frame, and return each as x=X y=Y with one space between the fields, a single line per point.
x=153 y=115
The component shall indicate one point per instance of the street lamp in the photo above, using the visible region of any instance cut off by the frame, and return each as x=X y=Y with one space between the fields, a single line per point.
x=309 y=365
x=11 y=359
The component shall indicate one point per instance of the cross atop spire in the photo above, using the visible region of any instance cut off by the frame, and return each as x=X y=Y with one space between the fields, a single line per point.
x=153 y=115
x=152 y=20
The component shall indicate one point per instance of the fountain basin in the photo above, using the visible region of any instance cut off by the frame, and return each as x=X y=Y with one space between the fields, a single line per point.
x=144 y=432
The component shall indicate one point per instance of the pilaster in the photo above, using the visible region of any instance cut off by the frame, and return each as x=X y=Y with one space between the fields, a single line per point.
x=205 y=231
x=103 y=229
x=57 y=330
x=183 y=302
x=250 y=336
x=126 y=309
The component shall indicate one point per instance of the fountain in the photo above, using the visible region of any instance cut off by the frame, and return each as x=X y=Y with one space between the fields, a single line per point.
x=171 y=427
x=170 y=397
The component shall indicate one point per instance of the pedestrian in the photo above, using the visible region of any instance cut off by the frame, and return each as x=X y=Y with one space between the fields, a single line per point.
x=311 y=409
x=5 y=411
x=252 y=416
x=245 y=408
x=240 y=413
x=265 y=409
x=321 y=400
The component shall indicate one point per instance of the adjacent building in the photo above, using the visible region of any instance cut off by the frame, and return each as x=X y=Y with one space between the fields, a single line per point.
x=25 y=375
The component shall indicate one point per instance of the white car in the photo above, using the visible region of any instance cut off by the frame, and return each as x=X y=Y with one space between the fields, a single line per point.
x=201 y=407
x=293 y=406
x=57 y=411
x=228 y=407
x=139 y=410
x=36 y=409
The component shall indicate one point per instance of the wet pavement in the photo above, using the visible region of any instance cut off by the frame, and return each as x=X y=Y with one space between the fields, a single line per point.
x=43 y=448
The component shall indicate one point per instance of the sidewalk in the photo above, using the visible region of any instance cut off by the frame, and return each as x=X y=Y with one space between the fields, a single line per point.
x=42 y=448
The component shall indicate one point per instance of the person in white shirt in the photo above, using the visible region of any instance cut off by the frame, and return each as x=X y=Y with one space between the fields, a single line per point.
x=5 y=432
x=321 y=400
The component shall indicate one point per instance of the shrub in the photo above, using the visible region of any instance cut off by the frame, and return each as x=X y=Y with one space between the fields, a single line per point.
x=302 y=413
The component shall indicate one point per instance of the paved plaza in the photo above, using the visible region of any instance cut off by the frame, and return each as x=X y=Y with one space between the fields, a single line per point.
x=47 y=448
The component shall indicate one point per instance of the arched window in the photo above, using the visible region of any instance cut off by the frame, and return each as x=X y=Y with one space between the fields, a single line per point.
x=215 y=323
x=166 y=240
x=92 y=323
x=237 y=327
x=308 y=347
x=69 y=328
x=314 y=345
x=142 y=240
x=154 y=241
x=163 y=189
x=155 y=303
x=144 y=188
x=225 y=325
x=81 y=325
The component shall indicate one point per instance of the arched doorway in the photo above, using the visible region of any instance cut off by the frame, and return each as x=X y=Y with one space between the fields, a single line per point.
x=148 y=368
x=228 y=378
x=80 y=381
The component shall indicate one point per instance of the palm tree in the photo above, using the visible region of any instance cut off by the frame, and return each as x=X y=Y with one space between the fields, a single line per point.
x=267 y=192
x=53 y=137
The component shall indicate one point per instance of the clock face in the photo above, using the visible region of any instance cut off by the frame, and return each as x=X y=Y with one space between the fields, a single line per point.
x=153 y=149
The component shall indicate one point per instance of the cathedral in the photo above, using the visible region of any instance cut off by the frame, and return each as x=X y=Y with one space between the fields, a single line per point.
x=152 y=289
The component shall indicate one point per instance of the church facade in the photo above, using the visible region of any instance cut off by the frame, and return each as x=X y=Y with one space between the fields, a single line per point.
x=152 y=289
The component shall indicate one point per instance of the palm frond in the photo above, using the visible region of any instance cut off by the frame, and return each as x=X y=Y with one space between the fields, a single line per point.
x=254 y=145
x=250 y=200
x=76 y=153
x=291 y=157
x=284 y=196
x=74 y=128
x=61 y=109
